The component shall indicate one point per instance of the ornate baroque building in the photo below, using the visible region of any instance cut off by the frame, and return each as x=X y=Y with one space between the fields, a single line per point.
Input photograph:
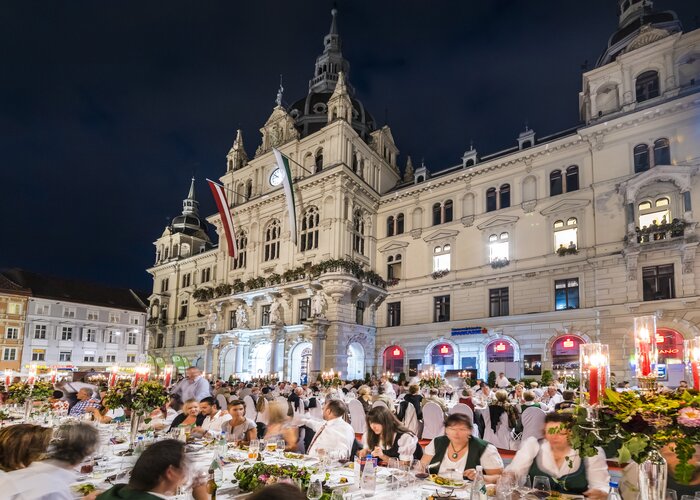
x=507 y=261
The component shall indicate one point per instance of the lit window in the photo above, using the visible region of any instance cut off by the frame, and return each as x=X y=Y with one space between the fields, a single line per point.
x=393 y=267
x=441 y=258
x=498 y=247
x=566 y=236
x=566 y=294
x=654 y=212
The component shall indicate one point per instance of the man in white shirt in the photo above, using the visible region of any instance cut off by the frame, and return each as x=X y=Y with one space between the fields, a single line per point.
x=388 y=388
x=485 y=396
x=193 y=386
x=214 y=416
x=332 y=434
x=502 y=381
x=552 y=397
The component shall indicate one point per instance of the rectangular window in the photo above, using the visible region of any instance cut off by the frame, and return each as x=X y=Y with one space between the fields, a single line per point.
x=566 y=294
x=567 y=238
x=658 y=282
x=393 y=313
x=134 y=320
x=183 y=309
x=9 y=354
x=232 y=320
x=111 y=358
x=44 y=309
x=441 y=308
x=498 y=302
x=360 y=312
x=90 y=335
x=159 y=341
x=206 y=274
x=93 y=315
x=200 y=336
x=413 y=365
x=69 y=312
x=265 y=316
x=14 y=308
x=131 y=337
x=186 y=280
x=40 y=332
x=131 y=358
x=114 y=317
x=164 y=285
x=65 y=356
x=67 y=333
x=393 y=268
x=12 y=333
x=111 y=336
x=304 y=309
x=181 y=338
x=38 y=355
x=89 y=359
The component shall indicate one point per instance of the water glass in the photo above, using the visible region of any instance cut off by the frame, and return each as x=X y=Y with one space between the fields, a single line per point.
x=541 y=486
x=315 y=490
x=524 y=485
x=671 y=495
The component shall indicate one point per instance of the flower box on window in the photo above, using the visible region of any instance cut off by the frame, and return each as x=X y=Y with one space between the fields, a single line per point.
x=439 y=274
x=499 y=263
x=570 y=250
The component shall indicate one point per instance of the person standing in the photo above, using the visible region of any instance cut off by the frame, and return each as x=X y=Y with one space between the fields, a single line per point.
x=193 y=386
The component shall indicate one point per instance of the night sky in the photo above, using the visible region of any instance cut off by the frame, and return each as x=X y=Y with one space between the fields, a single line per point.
x=108 y=108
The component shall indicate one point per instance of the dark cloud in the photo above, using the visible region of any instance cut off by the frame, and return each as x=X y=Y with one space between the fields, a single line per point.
x=108 y=108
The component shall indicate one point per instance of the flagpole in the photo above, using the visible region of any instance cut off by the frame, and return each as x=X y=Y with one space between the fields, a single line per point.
x=227 y=189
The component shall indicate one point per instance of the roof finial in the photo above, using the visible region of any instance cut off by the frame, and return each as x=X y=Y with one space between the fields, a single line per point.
x=334 y=26
x=190 y=195
x=471 y=144
x=280 y=91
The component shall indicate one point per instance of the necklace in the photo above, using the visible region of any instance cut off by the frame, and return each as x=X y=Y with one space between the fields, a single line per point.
x=457 y=452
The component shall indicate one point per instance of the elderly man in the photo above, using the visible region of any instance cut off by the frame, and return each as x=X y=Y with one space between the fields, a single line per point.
x=193 y=386
x=334 y=433
x=552 y=397
x=85 y=402
x=502 y=381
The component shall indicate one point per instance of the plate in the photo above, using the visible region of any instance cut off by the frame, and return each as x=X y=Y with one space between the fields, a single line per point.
x=445 y=482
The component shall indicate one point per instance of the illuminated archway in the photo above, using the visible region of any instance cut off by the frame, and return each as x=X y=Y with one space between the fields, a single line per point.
x=393 y=359
x=565 y=350
x=442 y=357
x=669 y=344
x=500 y=350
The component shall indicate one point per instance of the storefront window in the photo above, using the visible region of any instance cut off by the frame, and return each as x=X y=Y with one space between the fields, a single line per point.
x=565 y=352
x=393 y=359
x=442 y=357
x=500 y=351
x=670 y=346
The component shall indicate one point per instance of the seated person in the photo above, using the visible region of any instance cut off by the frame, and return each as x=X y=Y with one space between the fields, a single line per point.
x=529 y=398
x=567 y=402
x=554 y=458
x=279 y=426
x=516 y=395
x=190 y=416
x=22 y=444
x=333 y=433
x=466 y=397
x=239 y=428
x=214 y=417
x=501 y=405
x=387 y=438
x=459 y=450
x=434 y=398
x=414 y=398
x=84 y=404
x=552 y=397
x=384 y=397
x=364 y=396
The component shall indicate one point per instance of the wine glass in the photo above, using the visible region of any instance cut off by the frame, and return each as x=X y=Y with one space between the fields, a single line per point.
x=281 y=445
x=541 y=486
x=524 y=485
x=418 y=470
x=253 y=449
x=315 y=490
x=505 y=485
x=671 y=495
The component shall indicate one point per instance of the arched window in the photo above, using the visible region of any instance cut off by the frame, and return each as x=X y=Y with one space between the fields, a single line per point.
x=175 y=250
x=641 y=158
x=393 y=359
x=399 y=224
x=420 y=178
x=437 y=214
x=441 y=258
x=390 y=225
x=655 y=212
x=555 y=183
x=572 y=178
x=498 y=247
x=393 y=266
x=239 y=261
x=662 y=152
x=565 y=352
x=448 y=211
x=309 y=229
x=319 y=160
x=442 y=356
x=272 y=240
x=500 y=351
x=504 y=195
x=470 y=163
x=566 y=235
x=358 y=237
x=647 y=86
x=491 y=200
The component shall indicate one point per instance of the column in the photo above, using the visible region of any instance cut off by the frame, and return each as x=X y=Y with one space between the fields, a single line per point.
x=275 y=335
x=318 y=342
x=208 y=355
x=238 y=366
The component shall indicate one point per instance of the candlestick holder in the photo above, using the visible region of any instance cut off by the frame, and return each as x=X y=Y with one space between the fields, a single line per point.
x=692 y=361
x=646 y=353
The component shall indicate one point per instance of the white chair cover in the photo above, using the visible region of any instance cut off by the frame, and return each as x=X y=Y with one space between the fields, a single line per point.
x=462 y=408
x=533 y=423
x=501 y=438
x=262 y=415
x=433 y=421
x=316 y=412
x=357 y=416
x=249 y=407
x=410 y=420
x=379 y=403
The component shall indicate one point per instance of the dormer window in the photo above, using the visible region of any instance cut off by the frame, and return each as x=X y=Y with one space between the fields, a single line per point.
x=498 y=247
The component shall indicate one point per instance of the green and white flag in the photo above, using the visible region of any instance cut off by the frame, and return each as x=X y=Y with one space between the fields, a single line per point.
x=286 y=171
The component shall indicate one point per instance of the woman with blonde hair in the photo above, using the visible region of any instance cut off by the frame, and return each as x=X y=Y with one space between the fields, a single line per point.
x=190 y=415
x=22 y=444
x=279 y=427
x=364 y=396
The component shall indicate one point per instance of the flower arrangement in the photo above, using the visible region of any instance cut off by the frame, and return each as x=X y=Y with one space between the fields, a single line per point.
x=20 y=392
x=261 y=474
x=147 y=397
x=431 y=379
x=641 y=424
x=499 y=262
x=119 y=396
x=439 y=274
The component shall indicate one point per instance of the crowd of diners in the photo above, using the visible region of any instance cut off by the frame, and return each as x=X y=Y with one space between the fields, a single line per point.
x=38 y=463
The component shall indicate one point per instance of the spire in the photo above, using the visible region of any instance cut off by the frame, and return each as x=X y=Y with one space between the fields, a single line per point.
x=330 y=63
x=237 y=157
x=408 y=172
x=340 y=105
x=190 y=206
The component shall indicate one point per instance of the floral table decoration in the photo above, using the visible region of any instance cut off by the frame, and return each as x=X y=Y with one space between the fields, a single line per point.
x=250 y=478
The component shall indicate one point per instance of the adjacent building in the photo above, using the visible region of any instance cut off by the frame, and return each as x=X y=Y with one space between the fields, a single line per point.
x=504 y=261
x=77 y=325
x=13 y=309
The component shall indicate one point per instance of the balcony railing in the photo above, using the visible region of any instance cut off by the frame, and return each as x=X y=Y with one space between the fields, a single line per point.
x=660 y=232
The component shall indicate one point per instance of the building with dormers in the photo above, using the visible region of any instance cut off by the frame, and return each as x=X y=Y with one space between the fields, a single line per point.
x=506 y=261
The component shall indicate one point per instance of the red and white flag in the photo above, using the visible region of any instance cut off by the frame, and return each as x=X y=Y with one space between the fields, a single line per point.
x=226 y=220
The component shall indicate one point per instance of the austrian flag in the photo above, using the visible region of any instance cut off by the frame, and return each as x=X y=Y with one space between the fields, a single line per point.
x=226 y=220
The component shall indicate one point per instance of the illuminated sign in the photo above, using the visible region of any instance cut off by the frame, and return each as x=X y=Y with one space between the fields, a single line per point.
x=444 y=350
x=500 y=347
x=397 y=352
x=568 y=344
x=660 y=339
x=668 y=351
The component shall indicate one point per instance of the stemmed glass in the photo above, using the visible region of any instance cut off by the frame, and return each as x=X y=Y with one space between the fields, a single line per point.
x=281 y=445
x=541 y=487
x=505 y=485
x=524 y=485
x=315 y=490
x=418 y=470
x=253 y=449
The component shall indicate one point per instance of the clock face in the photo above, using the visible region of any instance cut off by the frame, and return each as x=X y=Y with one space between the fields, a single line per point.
x=276 y=177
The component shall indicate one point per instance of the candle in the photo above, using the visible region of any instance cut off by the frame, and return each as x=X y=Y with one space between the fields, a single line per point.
x=167 y=376
x=645 y=346
x=8 y=378
x=53 y=376
x=692 y=358
x=112 y=376
x=594 y=361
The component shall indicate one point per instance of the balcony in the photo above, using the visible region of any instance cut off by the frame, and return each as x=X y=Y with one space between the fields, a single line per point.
x=661 y=232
